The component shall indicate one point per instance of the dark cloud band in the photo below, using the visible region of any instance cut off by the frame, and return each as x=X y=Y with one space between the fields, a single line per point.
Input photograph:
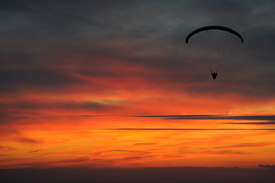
x=188 y=129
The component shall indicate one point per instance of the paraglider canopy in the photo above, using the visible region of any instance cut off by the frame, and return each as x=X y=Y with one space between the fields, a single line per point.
x=213 y=44
x=211 y=28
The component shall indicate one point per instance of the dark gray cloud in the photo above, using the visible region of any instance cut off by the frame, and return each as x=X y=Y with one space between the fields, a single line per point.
x=214 y=117
x=253 y=123
x=35 y=80
x=65 y=105
x=187 y=129
x=270 y=167
x=160 y=25
x=28 y=112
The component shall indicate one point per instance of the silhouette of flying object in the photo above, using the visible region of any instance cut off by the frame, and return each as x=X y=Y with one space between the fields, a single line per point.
x=212 y=45
x=214 y=74
x=213 y=27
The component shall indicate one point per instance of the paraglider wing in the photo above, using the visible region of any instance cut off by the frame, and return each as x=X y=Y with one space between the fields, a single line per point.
x=213 y=27
x=213 y=44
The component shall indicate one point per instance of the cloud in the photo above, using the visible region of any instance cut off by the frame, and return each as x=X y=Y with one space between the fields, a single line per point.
x=36 y=150
x=35 y=79
x=270 y=167
x=146 y=144
x=7 y=148
x=229 y=152
x=186 y=129
x=9 y=158
x=218 y=152
x=73 y=105
x=119 y=32
x=213 y=117
x=253 y=123
x=28 y=111
x=75 y=160
x=247 y=145
x=142 y=153
x=182 y=116
x=26 y=140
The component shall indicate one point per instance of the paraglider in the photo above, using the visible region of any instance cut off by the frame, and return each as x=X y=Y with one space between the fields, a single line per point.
x=213 y=44
x=214 y=74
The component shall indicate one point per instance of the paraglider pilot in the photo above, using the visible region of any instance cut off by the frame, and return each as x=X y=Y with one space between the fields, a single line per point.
x=214 y=74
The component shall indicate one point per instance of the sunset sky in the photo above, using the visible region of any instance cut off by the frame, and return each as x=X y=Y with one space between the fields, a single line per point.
x=112 y=84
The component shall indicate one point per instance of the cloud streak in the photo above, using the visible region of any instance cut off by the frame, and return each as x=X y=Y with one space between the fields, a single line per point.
x=214 y=117
x=247 y=145
x=187 y=129
x=253 y=123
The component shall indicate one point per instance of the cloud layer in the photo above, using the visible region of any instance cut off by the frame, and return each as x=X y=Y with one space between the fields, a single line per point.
x=69 y=70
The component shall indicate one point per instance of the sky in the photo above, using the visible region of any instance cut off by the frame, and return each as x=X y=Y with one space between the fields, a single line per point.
x=113 y=84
